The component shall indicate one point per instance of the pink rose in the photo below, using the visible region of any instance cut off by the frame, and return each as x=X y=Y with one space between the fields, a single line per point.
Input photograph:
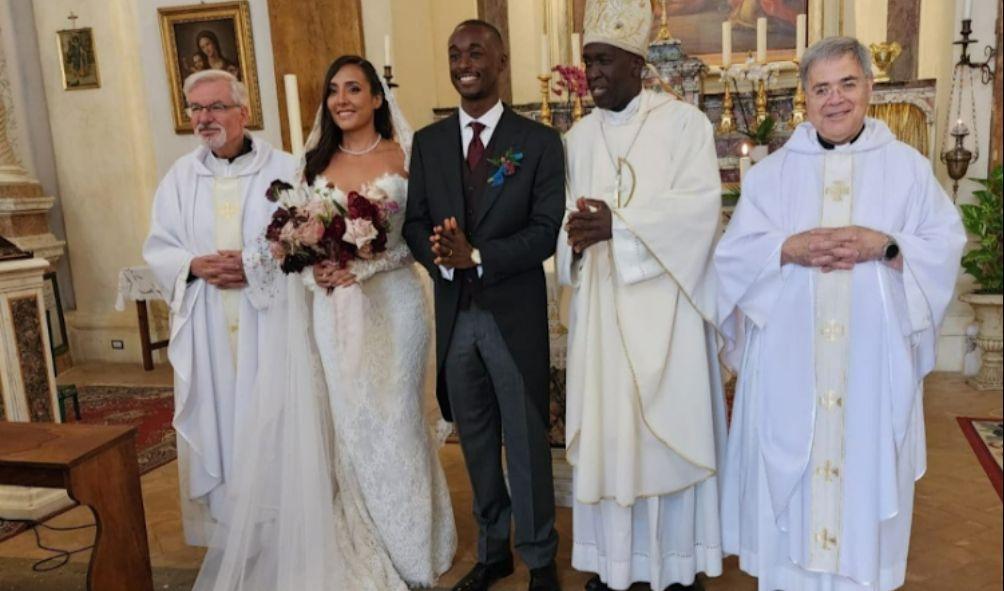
x=359 y=232
x=310 y=232
x=289 y=234
x=319 y=208
x=278 y=250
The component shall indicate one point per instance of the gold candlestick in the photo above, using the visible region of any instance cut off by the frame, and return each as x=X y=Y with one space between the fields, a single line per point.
x=798 y=103
x=576 y=107
x=761 y=103
x=727 y=124
x=663 y=34
x=545 y=99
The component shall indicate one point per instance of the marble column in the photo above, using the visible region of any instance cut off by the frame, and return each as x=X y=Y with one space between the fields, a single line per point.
x=23 y=208
x=27 y=381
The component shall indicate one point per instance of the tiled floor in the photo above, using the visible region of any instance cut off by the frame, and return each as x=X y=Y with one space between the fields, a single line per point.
x=957 y=528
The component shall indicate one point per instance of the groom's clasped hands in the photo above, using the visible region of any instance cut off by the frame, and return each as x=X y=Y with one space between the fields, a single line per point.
x=450 y=245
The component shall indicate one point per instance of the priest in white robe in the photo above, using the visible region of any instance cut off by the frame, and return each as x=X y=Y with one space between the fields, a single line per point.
x=207 y=251
x=645 y=413
x=833 y=278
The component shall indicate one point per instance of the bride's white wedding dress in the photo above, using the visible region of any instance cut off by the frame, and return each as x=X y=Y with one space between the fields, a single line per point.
x=337 y=480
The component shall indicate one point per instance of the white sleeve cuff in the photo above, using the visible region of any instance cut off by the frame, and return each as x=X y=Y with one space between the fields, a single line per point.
x=632 y=258
x=446 y=273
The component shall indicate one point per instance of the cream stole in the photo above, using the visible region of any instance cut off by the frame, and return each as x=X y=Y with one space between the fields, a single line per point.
x=228 y=199
x=832 y=344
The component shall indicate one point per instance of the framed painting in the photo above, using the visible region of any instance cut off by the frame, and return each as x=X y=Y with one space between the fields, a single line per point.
x=77 y=58
x=698 y=25
x=208 y=36
x=54 y=315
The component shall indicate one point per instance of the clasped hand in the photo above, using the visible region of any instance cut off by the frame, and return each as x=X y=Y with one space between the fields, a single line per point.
x=225 y=269
x=592 y=222
x=329 y=275
x=450 y=246
x=831 y=249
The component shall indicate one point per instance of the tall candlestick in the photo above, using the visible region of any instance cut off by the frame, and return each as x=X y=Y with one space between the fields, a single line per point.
x=387 y=56
x=545 y=57
x=726 y=44
x=799 y=36
x=576 y=49
x=744 y=163
x=293 y=114
x=761 y=40
x=967 y=10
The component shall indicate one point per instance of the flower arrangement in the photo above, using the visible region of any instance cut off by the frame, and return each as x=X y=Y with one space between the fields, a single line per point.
x=311 y=225
x=571 y=80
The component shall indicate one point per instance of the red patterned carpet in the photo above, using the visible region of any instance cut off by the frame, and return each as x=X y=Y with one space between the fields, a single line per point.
x=985 y=436
x=150 y=410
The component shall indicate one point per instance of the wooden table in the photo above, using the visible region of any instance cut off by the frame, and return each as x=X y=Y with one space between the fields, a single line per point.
x=97 y=466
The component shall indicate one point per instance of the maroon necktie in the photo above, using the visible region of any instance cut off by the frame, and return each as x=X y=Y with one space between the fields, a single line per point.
x=476 y=149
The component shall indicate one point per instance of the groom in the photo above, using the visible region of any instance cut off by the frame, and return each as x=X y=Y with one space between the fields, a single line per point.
x=485 y=202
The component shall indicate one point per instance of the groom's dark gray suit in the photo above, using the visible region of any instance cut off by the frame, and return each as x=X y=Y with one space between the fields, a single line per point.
x=492 y=355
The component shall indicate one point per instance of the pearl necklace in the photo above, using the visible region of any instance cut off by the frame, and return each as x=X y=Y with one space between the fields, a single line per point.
x=363 y=151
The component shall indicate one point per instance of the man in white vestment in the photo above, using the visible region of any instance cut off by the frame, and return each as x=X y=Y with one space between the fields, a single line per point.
x=645 y=413
x=833 y=278
x=207 y=251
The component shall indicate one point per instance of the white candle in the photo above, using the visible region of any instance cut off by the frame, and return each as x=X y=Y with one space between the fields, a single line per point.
x=387 y=55
x=799 y=36
x=761 y=40
x=576 y=49
x=967 y=10
x=744 y=163
x=293 y=114
x=545 y=57
x=726 y=44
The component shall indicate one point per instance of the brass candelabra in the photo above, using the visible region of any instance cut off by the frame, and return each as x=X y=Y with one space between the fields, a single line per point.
x=727 y=124
x=545 y=99
x=761 y=102
x=798 y=103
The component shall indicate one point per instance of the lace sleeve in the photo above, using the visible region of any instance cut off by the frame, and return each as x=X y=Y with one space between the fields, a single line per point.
x=264 y=278
x=394 y=258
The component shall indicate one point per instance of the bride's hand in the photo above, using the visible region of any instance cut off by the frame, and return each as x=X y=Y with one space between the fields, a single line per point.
x=342 y=277
x=327 y=274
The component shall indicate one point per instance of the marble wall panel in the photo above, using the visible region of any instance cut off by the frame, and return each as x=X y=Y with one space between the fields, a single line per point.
x=31 y=357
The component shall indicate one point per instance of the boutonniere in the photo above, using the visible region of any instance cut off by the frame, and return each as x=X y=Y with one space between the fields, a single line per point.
x=506 y=165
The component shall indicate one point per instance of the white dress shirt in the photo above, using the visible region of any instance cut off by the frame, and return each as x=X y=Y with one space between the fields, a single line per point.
x=490 y=120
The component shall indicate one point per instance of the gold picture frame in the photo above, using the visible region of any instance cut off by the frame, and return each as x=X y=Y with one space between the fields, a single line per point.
x=79 y=63
x=224 y=28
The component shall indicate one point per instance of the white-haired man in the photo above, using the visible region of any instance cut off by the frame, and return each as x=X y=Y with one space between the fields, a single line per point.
x=833 y=278
x=205 y=248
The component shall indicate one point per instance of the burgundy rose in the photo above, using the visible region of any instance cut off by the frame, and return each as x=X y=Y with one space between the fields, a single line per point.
x=275 y=190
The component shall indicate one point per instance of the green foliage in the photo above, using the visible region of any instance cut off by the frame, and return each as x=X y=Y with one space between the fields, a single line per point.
x=762 y=134
x=731 y=197
x=983 y=220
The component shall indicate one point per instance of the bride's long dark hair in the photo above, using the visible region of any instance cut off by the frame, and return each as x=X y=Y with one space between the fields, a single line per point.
x=319 y=157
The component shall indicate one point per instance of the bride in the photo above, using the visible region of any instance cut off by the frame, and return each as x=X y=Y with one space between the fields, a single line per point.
x=337 y=476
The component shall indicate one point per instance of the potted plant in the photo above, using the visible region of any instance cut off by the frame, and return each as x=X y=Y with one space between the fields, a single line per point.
x=761 y=137
x=985 y=263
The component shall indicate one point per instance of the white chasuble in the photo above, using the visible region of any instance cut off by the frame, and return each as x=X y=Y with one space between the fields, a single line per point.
x=205 y=204
x=827 y=431
x=645 y=413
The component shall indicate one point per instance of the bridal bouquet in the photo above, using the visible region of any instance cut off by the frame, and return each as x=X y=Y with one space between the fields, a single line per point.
x=311 y=226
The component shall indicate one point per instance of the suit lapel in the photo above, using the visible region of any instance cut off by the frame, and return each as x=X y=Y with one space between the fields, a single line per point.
x=504 y=138
x=450 y=162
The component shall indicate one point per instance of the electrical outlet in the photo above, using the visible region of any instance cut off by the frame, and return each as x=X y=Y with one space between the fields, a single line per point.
x=118 y=344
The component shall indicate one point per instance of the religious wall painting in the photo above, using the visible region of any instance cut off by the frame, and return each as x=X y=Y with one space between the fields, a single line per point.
x=78 y=59
x=208 y=36
x=698 y=25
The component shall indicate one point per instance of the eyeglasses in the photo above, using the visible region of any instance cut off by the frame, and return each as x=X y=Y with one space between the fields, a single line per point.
x=845 y=87
x=213 y=109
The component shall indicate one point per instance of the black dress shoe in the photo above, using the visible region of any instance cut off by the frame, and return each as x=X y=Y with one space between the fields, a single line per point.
x=596 y=584
x=696 y=586
x=544 y=578
x=483 y=575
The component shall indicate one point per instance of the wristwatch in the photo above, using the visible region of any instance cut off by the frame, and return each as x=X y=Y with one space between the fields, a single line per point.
x=890 y=250
x=475 y=256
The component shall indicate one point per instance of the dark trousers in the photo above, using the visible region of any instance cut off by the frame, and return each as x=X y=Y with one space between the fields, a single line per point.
x=490 y=404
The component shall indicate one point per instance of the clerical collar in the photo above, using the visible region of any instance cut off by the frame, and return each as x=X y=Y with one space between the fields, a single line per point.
x=624 y=115
x=246 y=148
x=830 y=145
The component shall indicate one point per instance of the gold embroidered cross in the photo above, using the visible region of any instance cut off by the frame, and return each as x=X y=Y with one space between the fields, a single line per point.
x=828 y=472
x=227 y=210
x=832 y=331
x=837 y=190
x=825 y=539
x=830 y=399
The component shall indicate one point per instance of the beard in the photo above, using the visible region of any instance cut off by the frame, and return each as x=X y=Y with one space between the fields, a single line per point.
x=214 y=142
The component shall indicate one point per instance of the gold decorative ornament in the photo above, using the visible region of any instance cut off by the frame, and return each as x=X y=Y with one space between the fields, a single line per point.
x=761 y=102
x=883 y=55
x=545 y=99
